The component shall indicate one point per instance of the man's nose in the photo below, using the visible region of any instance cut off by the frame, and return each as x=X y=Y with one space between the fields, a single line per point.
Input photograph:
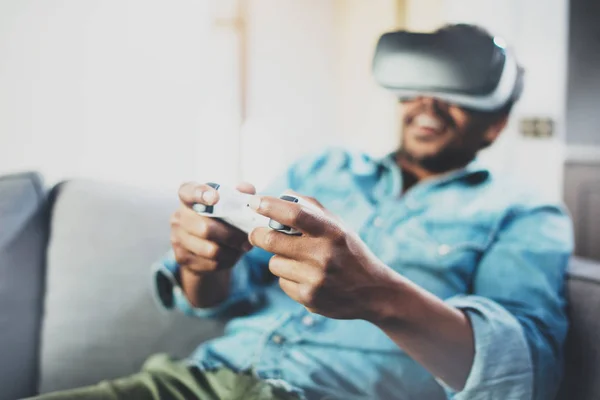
x=428 y=101
x=432 y=103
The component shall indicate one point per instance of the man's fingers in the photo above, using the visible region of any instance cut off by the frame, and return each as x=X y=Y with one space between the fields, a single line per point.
x=246 y=187
x=291 y=288
x=204 y=248
x=292 y=270
x=306 y=219
x=195 y=245
x=213 y=230
x=191 y=193
x=298 y=292
x=193 y=262
x=297 y=248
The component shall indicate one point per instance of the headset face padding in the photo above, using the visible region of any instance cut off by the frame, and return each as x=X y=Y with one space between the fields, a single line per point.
x=473 y=71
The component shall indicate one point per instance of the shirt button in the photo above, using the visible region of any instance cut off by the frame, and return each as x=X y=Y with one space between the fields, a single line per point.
x=277 y=339
x=308 y=320
x=378 y=222
x=443 y=249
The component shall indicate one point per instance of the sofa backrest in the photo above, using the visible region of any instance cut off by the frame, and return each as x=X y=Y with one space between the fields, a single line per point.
x=23 y=235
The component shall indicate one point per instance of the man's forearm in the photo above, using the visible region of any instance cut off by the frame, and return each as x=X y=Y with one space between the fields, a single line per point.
x=205 y=290
x=433 y=333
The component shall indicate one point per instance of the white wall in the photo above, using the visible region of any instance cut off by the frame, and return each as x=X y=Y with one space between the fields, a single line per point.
x=291 y=75
x=112 y=89
x=311 y=84
x=147 y=92
x=367 y=115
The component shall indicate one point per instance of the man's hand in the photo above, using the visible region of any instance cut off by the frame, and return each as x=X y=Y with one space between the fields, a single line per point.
x=206 y=249
x=202 y=244
x=332 y=272
x=328 y=269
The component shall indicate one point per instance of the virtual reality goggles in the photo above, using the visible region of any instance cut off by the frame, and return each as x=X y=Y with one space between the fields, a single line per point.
x=469 y=70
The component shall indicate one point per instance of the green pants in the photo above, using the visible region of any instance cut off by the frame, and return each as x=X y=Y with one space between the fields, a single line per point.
x=162 y=378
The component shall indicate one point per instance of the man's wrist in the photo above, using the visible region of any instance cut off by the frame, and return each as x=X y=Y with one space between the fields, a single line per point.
x=392 y=300
x=205 y=289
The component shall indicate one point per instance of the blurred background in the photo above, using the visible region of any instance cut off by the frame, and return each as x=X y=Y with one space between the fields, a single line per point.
x=153 y=93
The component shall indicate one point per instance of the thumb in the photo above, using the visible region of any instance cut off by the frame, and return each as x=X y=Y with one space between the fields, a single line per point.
x=246 y=187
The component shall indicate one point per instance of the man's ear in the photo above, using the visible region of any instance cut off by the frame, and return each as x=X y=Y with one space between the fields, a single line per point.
x=494 y=130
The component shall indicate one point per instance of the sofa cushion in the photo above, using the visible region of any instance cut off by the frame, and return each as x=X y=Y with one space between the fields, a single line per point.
x=582 y=363
x=23 y=234
x=101 y=319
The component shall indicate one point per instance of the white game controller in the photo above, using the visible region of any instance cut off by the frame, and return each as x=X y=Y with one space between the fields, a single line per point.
x=233 y=209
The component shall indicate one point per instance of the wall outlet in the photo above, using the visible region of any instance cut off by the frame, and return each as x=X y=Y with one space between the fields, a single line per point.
x=536 y=127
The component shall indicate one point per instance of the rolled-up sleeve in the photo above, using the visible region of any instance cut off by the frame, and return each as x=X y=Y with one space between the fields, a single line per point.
x=517 y=308
x=244 y=292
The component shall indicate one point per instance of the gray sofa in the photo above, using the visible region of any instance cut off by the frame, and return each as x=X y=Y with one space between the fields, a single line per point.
x=76 y=304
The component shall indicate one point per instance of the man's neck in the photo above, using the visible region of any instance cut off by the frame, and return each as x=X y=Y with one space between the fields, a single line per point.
x=413 y=173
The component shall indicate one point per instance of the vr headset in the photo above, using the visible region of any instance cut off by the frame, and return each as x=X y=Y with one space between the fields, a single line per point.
x=470 y=70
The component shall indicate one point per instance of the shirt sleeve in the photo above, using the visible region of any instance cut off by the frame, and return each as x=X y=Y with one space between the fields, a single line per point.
x=250 y=275
x=244 y=292
x=517 y=309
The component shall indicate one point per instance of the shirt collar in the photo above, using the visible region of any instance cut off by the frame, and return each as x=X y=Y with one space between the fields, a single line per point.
x=474 y=173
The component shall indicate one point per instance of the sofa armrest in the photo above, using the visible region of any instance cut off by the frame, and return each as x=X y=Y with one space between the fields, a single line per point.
x=582 y=269
x=23 y=238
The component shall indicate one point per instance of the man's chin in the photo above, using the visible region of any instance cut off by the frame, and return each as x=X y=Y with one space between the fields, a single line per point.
x=436 y=162
x=424 y=148
x=420 y=154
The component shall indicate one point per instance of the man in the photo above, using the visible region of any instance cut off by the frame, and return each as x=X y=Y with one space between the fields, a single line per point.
x=421 y=275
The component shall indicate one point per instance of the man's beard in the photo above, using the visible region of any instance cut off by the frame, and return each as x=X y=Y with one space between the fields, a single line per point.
x=447 y=159
x=453 y=155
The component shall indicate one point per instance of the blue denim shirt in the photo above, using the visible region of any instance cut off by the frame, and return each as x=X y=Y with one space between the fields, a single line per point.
x=481 y=243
